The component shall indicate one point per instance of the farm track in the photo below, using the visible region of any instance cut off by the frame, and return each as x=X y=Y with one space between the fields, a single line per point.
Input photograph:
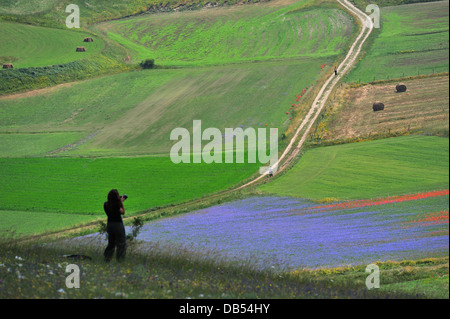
x=327 y=88
x=292 y=149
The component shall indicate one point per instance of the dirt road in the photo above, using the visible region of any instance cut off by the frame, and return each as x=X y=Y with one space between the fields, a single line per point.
x=316 y=108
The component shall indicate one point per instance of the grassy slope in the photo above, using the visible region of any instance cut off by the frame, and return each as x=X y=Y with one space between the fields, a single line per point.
x=135 y=112
x=26 y=46
x=21 y=7
x=131 y=112
x=217 y=285
x=420 y=31
x=368 y=170
x=42 y=49
x=34 y=144
x=39 y=223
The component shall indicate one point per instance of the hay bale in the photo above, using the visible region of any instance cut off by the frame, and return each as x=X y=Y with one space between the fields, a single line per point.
x=378 y=106
x=8 y=66
x=88 y=40
x=401 y=87
x=81 y=49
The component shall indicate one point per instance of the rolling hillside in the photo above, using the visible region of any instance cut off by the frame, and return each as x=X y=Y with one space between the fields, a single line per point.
x=413 y=40
x=74 y=126
x=115 y=118
x=227 y=35
x=33 y=46
x=422 y=109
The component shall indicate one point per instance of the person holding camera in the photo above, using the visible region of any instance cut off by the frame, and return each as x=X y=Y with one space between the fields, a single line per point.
x=114 y=209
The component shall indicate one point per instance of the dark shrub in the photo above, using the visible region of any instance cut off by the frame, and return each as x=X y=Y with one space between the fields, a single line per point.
x=148 y=64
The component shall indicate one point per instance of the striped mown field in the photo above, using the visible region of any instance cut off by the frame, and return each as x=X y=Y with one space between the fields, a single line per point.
x=227 y=35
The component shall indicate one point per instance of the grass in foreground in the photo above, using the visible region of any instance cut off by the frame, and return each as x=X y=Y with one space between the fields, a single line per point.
x=37 y=272
x=235 y=34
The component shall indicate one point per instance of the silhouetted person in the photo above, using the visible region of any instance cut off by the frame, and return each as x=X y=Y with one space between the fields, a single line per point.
x=116 y=230
x=335 y=70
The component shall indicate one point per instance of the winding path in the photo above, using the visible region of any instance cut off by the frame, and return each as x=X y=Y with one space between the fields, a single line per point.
x=322 y=97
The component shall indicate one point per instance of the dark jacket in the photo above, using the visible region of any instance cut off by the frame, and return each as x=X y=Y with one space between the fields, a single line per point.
x=113 y=212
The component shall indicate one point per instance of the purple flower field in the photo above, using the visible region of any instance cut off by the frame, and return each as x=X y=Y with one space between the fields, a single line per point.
x=282 y=233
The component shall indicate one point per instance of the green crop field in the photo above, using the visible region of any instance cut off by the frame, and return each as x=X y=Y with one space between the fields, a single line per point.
x=227 y=35
x=127 y=114
x=39 y=222
x=413 y=40
x=44 y=188
x=134 y=113
x=32 y=46
x=373 y=169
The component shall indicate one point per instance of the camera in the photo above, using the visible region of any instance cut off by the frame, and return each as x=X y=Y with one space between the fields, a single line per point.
x=124 y=196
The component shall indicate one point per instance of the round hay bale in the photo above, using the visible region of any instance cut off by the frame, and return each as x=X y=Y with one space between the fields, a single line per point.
x=81 y=49
x=8 y=66
x=378 y=106
x=401 y=87
x=88 y=40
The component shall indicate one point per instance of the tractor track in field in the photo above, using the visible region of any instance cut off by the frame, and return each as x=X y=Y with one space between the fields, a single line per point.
x=293 y=147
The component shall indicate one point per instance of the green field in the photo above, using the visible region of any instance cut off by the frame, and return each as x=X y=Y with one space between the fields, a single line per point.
x=34 y=144
x=227 y=35
x=45 y=188
x=39 y=222
x=134 y=113
x=373 y=169
x=21 y=7
x=52 y=12
x=32 y=46
x=413 y=40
